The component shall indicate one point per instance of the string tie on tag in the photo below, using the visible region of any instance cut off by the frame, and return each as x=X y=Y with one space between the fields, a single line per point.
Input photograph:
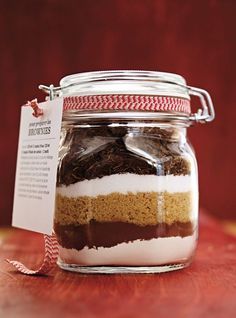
x=37 y=111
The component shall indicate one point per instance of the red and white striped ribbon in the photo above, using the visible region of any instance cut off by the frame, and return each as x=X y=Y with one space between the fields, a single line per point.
x=50 y=258
x=128 y=103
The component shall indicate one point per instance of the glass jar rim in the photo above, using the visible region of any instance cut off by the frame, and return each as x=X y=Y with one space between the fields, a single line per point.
x=122 y=75
x=123 y=82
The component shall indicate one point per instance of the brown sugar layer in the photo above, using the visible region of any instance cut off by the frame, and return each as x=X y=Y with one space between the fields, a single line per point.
x=108 y=234
x=103 y=151
x=142 y=208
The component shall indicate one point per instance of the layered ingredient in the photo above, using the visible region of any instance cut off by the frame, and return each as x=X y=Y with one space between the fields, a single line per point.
x=126 y=198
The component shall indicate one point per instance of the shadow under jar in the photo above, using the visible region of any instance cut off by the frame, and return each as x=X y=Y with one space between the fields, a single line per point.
x=127 y=184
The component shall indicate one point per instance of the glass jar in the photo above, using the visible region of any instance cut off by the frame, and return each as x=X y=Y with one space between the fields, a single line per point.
x=127 y=184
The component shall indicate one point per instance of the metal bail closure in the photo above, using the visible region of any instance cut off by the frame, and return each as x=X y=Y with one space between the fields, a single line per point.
x=203 y=115
x=51 y=90
x=207 y=112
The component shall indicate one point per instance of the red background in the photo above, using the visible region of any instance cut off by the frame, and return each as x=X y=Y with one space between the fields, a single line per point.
x=41 y=41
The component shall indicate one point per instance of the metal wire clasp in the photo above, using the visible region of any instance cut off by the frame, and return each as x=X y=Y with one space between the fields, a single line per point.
x=203 y=115
x=51 y=90
x=207 y=112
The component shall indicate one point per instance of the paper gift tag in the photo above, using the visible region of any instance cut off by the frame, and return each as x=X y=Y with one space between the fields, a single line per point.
x=35 y=182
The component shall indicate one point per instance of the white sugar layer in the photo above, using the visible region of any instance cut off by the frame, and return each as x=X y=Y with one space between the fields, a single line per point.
x=144 y=253
x=125 y=183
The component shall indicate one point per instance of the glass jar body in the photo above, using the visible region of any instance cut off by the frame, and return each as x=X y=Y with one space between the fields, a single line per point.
x=127 y=197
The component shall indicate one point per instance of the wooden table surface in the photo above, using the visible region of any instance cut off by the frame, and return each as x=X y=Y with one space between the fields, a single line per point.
x=206 y=289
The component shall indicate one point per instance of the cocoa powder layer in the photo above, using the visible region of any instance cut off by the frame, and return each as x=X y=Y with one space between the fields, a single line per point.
x=108 y=234
x=143 y=208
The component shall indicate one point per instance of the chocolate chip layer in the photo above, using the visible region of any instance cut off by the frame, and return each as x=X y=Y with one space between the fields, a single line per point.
x=103 y=151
